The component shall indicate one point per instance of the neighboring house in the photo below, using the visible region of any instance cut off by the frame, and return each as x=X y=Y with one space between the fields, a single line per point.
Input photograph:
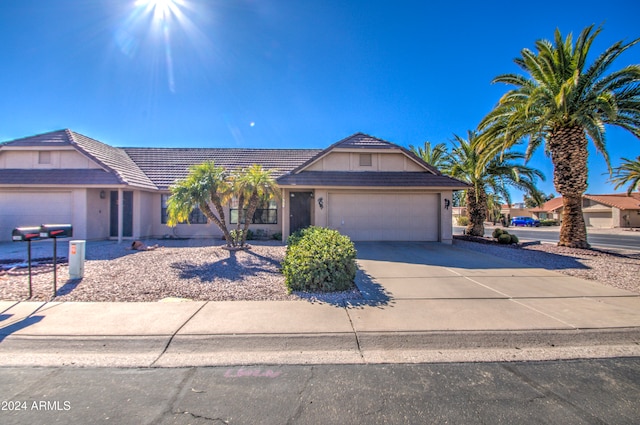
x=367 y=188
x=603 y=211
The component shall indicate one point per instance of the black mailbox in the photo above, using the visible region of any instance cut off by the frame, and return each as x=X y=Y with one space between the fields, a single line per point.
x=22 y=234
x=56 y=231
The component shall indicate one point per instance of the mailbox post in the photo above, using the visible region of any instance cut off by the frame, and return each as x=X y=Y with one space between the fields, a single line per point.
x=55 y=231
x=26 y=234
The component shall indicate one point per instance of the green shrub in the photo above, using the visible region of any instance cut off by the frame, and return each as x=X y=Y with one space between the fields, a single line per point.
x=514 y=239
x=319 y=259
x=548 y=222
x=504 y=239
x=462 y=220
x=497 y=232
x=237 y=234
x=277 y=236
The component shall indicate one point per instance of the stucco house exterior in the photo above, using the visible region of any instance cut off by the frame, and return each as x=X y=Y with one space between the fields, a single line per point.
x=367 y=188
x=600 y=211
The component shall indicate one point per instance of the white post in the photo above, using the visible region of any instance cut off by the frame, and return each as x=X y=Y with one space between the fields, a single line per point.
x=120 y=213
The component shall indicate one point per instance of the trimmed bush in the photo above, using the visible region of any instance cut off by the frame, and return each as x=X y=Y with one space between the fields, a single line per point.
x=463 y=220
x=548 y=222
x=319 y=260
x=497 y=232
x=504 y=239
x=514 y=239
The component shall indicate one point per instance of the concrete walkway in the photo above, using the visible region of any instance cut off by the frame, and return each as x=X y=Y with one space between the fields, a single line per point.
x=425 y=302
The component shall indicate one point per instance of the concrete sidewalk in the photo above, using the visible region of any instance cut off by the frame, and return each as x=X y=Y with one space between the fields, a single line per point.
x=425 y=303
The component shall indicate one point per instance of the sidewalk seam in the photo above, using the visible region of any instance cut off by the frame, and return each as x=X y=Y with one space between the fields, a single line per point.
x=355 y=333
x=166 y=347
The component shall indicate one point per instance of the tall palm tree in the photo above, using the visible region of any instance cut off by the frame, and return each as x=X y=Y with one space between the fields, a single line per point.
x=488 y=173
x=206 y=184
x=256 y=185
x=562 y=103
x=437 y=155
x=628 y=173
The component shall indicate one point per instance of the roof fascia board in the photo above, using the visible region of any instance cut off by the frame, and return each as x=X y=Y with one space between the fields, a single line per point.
x=37 y=148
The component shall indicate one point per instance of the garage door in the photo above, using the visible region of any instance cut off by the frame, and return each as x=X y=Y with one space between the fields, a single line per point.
x=385 y=216
x=33 y=209
x=597 y=219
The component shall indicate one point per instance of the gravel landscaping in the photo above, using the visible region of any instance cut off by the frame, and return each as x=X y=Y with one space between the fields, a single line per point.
x=200 y=270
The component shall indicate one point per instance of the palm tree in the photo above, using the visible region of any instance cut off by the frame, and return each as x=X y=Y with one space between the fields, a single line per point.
x=628 y=173
x=562 y=103
x=256 y=185
x=436 y=156
x=205 y=184
x=487 y=173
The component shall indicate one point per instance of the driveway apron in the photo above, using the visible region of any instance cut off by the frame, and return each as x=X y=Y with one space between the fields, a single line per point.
x=438 y=287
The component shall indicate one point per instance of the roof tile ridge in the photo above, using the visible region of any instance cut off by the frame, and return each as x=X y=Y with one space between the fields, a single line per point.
x=72 y=139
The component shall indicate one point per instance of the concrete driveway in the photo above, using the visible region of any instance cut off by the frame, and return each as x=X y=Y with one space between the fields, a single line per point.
x=436 y=287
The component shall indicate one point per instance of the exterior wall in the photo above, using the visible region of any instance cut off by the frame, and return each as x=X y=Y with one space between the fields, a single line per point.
x=63 y=159
x=350 y=161
x=209 y=230
x=143 y=214
x=596 y=214
x=97 y=214
x=446 y=217
x=629 y=218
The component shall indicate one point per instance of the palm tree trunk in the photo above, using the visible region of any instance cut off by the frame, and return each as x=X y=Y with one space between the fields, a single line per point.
x=568 y=147
x=477 y=209
x=206 y=210
x=253 y=205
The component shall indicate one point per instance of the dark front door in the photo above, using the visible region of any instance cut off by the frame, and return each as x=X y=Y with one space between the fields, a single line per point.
x=127 y=214
x=299 y=210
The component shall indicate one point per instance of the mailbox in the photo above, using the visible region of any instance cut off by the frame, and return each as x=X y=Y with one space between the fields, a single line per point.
x=23 y=234
x=56 y=231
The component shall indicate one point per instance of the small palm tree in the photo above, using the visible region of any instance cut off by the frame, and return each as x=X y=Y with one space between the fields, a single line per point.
x=488 y=173
x=255 y=185
x=628 y=173
x=562 y=103
x=206 y=184
x=437 y=155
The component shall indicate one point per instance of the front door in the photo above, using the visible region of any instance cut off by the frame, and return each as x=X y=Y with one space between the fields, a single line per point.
x=299 y=210
x=127 y=214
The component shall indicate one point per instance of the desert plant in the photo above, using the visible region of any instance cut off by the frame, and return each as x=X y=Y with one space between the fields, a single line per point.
x=497 y=232
x=463 y=220
x=319 y=259
x=514 y=239
x=504 y=239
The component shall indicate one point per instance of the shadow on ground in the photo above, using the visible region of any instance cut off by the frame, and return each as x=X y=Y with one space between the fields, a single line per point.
x=438 y=254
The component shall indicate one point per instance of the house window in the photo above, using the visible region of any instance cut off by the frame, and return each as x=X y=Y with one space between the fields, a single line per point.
x=365 y=160
x=267 y=213
x=44 y=157
x=196 y=216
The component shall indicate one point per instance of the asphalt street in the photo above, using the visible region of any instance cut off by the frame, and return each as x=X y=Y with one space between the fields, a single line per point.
x=567 y=392
x=627 y=240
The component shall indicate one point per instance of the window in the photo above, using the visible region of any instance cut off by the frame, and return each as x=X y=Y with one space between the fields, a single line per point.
x=267 y=213
x=44 y=157
x=365 y=160
x=196 y=216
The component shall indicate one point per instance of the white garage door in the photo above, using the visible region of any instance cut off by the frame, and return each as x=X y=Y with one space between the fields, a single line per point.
x=385 y=216
x=597 y=219
x=33 y=209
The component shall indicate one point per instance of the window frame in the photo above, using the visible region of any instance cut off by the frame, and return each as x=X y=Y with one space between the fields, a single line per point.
x=268 y=215
x=195 y=217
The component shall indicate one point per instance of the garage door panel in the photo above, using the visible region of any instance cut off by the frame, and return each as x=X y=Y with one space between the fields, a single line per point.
x=32 y=209
x=385 y=216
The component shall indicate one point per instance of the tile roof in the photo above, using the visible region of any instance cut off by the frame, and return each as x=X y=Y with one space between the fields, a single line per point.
x=370 y=179
x=165 y=165
x=112 y=159
x=93 y=176
x=549 y=206
x=621 y=201
x=365 y=141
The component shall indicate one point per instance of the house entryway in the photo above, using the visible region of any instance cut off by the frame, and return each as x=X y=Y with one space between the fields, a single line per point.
x=299 y=210
x=127 y=214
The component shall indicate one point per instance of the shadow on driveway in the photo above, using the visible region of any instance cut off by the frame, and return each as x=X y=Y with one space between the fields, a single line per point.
x=438 y=254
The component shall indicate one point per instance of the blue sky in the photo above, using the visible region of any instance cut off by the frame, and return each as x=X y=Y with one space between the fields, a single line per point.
x=281 y=73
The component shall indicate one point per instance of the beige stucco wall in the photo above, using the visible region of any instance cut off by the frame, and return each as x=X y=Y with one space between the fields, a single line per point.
x=209 y=230
x=350 y=161
x=65 y=159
